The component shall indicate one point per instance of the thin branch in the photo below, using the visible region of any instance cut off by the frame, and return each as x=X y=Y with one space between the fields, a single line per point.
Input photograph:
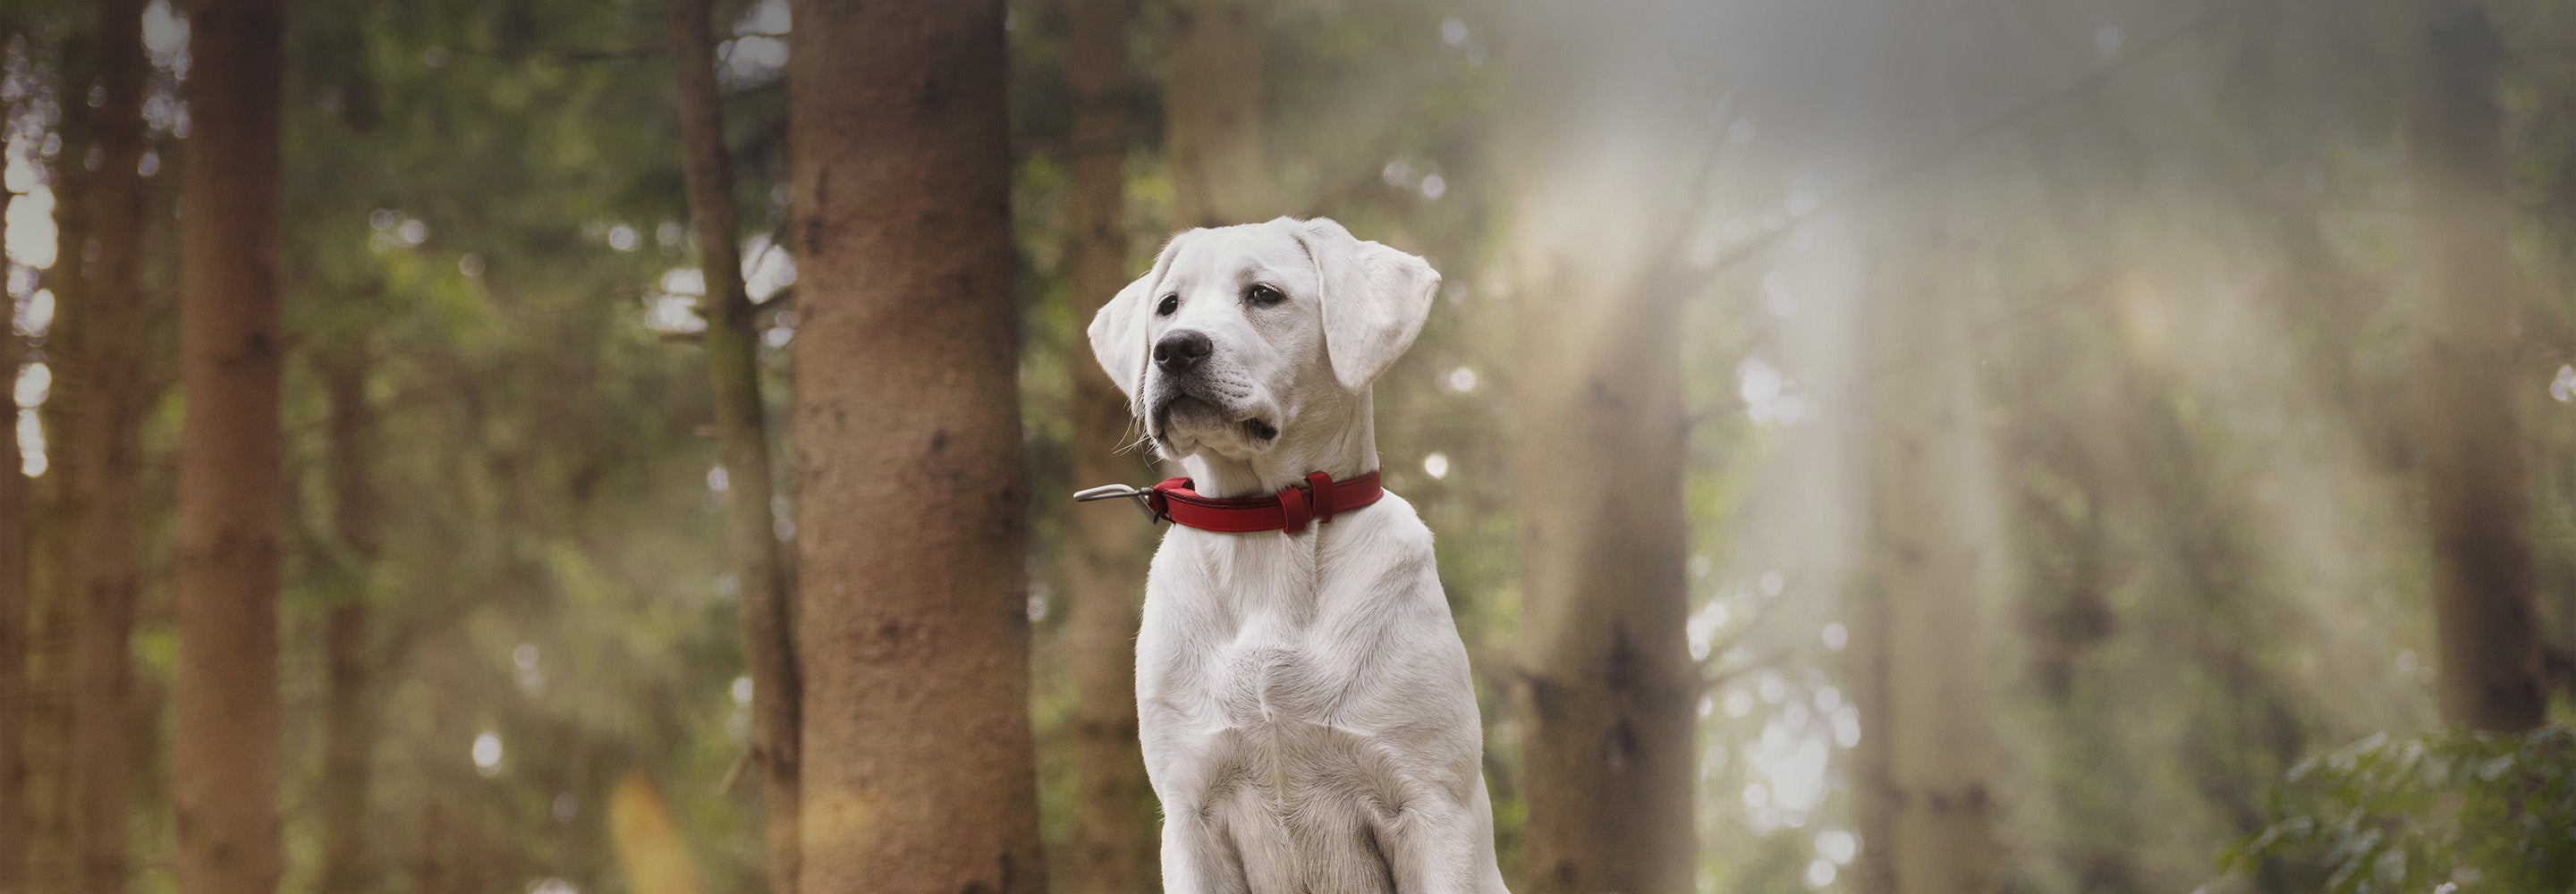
x=733 y=774
x=1712 y=676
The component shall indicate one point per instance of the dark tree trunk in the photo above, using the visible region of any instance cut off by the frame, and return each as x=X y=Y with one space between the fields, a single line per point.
x=2469 y=429
x=13 y=635
x=1608 y=683
x=429 y=863
x=918 y=774
x=742 y=438
x=1114 y=836
x=349 y=693
x=58 y=572
x=224 y=769
x=115 y=392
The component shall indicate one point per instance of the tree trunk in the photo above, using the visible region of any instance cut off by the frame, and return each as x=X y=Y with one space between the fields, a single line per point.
x=15 y=580
x=429 y=864
x=443 y=784
x=1114 y=836
x=224 y=768
x=114 y=391
x=1608 y=684
x=349 y=727
x=1214 y=109
x=918 y=773
x=13 y=633
x=1922 y=781
x=1605 y=692
x=349 y=696
x=58 y=567
x=742 y=435
x=471 y=861
x=50 y=859
x=2477 y=499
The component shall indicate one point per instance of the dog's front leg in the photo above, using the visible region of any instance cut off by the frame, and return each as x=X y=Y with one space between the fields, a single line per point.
x=1197 y=859
x=1442 y=846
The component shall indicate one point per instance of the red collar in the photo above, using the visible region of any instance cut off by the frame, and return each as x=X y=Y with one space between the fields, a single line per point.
x=1318 y=498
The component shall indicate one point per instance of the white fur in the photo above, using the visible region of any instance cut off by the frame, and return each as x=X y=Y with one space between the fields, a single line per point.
x=1305 y=706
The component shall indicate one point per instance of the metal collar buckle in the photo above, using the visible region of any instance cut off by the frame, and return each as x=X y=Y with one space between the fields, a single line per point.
x=1144 y=498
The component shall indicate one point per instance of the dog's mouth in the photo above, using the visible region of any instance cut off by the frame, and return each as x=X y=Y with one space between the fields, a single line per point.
x=1198 y=413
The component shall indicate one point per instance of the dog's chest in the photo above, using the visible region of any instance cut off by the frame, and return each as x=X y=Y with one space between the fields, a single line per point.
x=1259 y=649
x=1273 y=732
x=1246 y=662
x=1264 y=681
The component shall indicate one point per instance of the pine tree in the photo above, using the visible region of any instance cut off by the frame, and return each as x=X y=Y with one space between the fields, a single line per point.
x=224 y=768
x=917 y=765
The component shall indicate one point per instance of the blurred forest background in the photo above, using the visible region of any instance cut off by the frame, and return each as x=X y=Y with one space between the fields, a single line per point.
x=1875 y=445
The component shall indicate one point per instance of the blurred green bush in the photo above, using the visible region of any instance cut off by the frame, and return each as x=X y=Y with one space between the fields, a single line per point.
x=2454 y=812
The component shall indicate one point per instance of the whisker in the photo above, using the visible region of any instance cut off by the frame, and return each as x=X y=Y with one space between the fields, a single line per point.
x=1135 y=435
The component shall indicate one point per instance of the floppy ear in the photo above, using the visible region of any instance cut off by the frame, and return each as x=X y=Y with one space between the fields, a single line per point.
x=1374 y=299
x=1119 y=331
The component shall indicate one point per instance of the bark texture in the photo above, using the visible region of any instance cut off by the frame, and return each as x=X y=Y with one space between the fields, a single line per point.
x=349 y=693
x=1114 y=836
x=224 y=769
x=2476 y=491
x=918 y=774
x=1214 y=110
x=1922 y=776
x=115 y=392
x=742 y=437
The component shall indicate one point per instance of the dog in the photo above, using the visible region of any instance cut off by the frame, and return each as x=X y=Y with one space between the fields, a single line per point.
x=1304 y=702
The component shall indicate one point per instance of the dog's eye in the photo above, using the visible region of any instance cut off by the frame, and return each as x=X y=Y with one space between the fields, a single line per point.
x=1170 y=303
x=1264 y=295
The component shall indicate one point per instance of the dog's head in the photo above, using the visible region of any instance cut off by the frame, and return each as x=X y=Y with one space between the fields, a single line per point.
x=1238 y=330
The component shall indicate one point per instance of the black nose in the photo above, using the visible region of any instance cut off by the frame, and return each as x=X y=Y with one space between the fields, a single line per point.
x=1181 y=351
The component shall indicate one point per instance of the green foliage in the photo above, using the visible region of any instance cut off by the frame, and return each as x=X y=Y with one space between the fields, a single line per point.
x=2456 y=811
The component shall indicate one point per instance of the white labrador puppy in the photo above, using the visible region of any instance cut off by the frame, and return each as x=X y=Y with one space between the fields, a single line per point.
x=1304 y=702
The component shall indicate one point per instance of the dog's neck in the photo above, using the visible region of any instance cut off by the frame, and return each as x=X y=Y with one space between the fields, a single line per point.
x=1338 y=440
